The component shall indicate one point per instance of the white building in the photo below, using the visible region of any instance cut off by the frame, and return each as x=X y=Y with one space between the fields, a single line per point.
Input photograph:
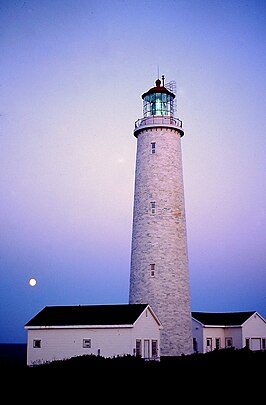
x=218 y=330
x=62 y=332
x=159 y=273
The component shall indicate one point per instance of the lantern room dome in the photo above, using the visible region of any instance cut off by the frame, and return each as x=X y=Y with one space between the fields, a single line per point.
x=158 y=89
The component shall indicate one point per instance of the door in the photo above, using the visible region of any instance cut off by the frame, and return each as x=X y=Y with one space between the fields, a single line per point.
x=255 y=344
x=146 y=349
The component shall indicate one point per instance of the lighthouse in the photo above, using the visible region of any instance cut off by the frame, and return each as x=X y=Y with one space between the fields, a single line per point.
x=159 y=270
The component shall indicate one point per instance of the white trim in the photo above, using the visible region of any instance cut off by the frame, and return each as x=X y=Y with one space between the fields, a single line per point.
x=152 y=313
x=196 y=320
x=79 y=327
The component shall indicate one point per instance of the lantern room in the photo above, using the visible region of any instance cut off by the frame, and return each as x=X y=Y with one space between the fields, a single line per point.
x=158 y=109
x=158 y=101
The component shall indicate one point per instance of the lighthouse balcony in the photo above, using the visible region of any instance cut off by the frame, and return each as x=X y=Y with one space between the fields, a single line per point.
x=154 y=121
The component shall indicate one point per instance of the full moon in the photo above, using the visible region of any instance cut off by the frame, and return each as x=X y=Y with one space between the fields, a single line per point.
x=32 y=282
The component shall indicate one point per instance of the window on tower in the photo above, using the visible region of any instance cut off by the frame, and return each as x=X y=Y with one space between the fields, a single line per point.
x=153 y=207
x=152 y=269
x=153 y=147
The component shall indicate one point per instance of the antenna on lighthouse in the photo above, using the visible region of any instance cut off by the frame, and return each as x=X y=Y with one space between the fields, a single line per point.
x=171 y=86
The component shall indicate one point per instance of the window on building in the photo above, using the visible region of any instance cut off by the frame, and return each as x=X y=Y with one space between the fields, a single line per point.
x=138 y=347
x=195 y=345
x=87 y=343
x=247 y=343
x=228 y=342
x=153 y=207
x=37 y=343
x=263 y=343
x=152 y=269
x=217 y=343
x=209 y=344
x=153 y=144
x=154 y=348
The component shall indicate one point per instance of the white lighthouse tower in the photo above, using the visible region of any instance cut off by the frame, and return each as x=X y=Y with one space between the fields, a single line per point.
x=159 y=273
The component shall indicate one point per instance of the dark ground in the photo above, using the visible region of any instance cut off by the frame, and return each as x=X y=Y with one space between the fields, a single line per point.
x=238 y=373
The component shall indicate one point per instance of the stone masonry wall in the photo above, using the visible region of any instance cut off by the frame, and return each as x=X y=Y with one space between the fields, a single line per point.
x=159 y=238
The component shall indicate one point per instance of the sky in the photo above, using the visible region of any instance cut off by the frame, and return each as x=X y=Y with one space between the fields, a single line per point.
x=72 y=74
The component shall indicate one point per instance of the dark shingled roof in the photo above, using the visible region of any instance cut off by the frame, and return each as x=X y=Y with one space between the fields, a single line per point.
x=222 y=318
x=118 y=314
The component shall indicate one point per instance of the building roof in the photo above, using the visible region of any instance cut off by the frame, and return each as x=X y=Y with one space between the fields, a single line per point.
x=222 y=318
x=77 y=315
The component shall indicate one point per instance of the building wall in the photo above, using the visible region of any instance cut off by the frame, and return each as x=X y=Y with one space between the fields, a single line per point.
x=254 y=329
x=146 y=329
x=197 y=332
x=60 y=344
x=222 y=333
x=160 y=238
x=212 y=333
x=236 y=334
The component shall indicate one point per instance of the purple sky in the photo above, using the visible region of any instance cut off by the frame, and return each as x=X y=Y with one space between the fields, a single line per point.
x=72 y=75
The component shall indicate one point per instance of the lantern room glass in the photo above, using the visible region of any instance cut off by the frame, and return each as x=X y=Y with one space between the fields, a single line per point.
x=158 y=104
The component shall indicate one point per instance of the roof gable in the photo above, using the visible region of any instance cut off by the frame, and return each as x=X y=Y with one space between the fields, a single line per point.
x=222 y=318
x=118 y=314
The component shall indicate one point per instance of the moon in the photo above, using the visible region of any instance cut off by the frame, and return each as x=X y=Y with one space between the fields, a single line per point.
x=32 y=282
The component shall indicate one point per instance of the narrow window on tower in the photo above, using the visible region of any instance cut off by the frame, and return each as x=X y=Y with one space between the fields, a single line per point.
x=153 y=144
x=153 y=207
x=152 y=269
